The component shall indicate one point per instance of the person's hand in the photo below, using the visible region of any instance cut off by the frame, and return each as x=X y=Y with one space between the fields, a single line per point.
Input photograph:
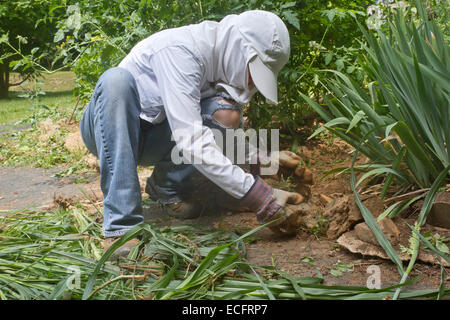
x=289 y=214
x=285 y=197
x=288 y=162
x=274 y=204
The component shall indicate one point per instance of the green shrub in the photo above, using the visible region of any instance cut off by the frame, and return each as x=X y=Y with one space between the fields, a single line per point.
x=401 y=119
x=98 y=34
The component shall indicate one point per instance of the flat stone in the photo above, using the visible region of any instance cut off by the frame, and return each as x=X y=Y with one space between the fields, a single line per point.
x=351 y=242
x=388 y=227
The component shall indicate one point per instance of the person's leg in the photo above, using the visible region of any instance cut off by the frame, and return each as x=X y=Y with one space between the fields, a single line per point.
x=179 y=186
x=110 y=129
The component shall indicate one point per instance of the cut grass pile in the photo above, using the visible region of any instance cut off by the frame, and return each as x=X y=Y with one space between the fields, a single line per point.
x=44 y=254
x=43 y=144
x=44 y=126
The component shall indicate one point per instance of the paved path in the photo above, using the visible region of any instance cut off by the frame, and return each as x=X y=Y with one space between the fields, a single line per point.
x=12 y=126
x=22 y=187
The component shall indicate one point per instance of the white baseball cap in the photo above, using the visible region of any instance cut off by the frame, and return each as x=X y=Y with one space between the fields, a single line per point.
x=269 y=39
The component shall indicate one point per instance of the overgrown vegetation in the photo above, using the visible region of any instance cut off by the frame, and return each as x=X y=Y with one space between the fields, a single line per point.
x=50 y=91
x=43 y=144
x=92 y=36
x=400 y=121
x=54 y=254
x=18 y=22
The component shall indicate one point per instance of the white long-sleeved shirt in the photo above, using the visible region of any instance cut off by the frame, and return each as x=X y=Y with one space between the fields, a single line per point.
x=174 y=69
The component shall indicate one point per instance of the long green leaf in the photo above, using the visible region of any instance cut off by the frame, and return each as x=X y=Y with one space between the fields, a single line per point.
x=371 y=222
x=130 y=234
x=429 y=245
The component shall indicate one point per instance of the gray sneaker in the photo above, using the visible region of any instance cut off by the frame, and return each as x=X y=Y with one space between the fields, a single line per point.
x=179 y=210
x=184 y=210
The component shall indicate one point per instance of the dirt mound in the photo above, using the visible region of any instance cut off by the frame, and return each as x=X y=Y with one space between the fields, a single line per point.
x=74 y=143
x=48 y=128
x=342 y=214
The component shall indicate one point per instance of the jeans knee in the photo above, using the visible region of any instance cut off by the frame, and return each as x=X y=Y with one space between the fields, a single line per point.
x=228 y=117
x=117 y=83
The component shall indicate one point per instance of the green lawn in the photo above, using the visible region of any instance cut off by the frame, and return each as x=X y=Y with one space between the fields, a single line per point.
x=58 y=88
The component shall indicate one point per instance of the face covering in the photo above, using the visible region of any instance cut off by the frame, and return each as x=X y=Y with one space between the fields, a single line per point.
x=226 y=54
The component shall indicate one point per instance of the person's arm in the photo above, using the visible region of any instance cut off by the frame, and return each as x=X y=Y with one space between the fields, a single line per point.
x=179 y=77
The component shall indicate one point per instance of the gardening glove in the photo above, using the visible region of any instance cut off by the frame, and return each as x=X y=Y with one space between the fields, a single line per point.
x=290 y=212
x=290 y=219
x=270 y=204
x=285 y=160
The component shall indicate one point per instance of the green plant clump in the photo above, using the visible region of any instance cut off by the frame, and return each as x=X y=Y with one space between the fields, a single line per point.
x=401 y=119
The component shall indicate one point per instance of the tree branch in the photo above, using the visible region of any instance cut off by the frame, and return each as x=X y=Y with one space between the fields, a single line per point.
x=19 y=83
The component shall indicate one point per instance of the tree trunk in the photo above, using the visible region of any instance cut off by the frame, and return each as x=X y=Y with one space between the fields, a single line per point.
x=4 y=80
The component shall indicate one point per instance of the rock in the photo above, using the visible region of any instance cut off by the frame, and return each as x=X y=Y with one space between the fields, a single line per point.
x=304 y=190
x=439 y=215
x=350 y=241
x=341 y=215
x=375 y=205
x=325 y=199
x=309 y=221
x=388 y=227
x=294 y=217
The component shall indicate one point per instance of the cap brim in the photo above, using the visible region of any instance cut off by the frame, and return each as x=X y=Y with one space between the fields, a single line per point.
x=264 y=79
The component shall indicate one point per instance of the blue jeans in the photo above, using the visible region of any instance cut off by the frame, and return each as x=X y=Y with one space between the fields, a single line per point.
x=113 y=131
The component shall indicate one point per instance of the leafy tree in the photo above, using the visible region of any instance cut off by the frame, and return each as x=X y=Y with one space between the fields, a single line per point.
x=24 y=28
x=94 y=35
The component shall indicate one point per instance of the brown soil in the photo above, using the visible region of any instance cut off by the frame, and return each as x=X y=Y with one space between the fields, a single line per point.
x=286 y=253
x=316 y=238
x=313 y=240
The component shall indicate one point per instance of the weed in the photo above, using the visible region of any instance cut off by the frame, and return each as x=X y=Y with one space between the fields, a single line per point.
x=43 y=146
x=340 y=268
x=286 y=183
x=308 y=260
x=438 y=241
x=321 y=226
x=21 y=105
